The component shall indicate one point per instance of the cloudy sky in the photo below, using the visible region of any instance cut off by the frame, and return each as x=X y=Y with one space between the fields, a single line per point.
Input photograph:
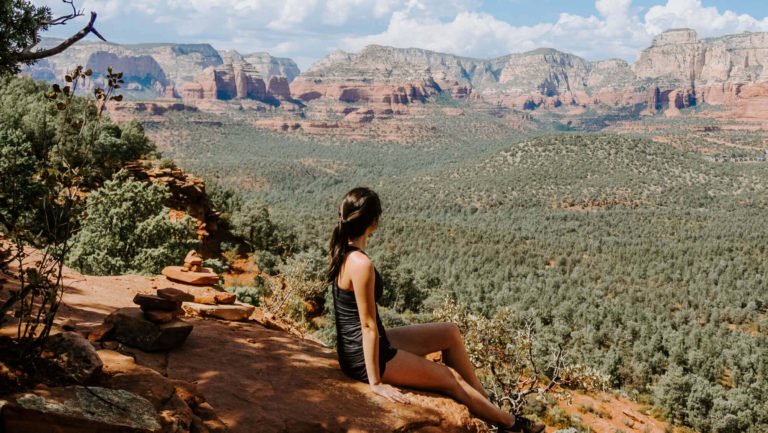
x=307 y=30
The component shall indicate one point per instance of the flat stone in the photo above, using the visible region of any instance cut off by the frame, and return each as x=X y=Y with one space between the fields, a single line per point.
x=236 y=312
x=158 y=316
x=131 y=328
x=206 y=277
x=75 y=355
x=76 y=409
x=153 y=302
x=225 y=298
x=173 y=294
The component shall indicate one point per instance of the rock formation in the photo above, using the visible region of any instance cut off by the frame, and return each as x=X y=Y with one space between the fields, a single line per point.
x=714 y=71
x=267 y=65
x=188 y=197
x=168 y=70
x=678 y=70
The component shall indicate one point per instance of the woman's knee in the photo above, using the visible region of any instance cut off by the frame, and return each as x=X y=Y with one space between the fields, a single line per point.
x=454 y=384
x=453 y=332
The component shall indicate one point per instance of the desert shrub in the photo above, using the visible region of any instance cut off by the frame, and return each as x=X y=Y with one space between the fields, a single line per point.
x=510 y=360
x=218 y=265
x=249 y=295
x=44 y=133
x=126 y=229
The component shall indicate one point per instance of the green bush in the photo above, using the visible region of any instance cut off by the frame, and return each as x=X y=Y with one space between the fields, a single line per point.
x=127 y=230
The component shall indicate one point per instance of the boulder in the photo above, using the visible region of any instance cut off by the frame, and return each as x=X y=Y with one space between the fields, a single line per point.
x=76 y=409
x=152 y=302
x=75 y=355
x=133 y=329
x=236 y=312
x=206 y=277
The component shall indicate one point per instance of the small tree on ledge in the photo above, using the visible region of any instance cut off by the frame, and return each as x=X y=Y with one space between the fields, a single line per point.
x=507 y=363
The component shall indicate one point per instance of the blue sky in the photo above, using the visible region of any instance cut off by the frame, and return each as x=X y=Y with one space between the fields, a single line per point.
x=307 y=30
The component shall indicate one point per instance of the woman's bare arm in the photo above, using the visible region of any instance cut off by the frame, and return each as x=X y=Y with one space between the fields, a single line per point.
x=363 y=278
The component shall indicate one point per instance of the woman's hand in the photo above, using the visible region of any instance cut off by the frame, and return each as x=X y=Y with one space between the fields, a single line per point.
x=391 y=393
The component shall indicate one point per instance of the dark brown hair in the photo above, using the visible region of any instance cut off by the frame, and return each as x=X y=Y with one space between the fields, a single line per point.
x=359 y=209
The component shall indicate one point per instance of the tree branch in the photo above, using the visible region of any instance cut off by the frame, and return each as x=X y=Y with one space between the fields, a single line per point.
x=64 y=18
x=37 y=55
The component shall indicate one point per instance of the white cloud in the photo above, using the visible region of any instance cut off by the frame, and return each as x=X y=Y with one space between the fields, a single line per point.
x=617 y=31
x=467 y=33
x=708 y=21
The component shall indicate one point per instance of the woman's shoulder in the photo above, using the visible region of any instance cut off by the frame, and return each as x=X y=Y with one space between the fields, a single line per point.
x=358 y=260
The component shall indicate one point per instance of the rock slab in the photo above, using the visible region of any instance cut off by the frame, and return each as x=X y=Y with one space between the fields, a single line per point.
x=174 y=294
x=234 y=312
x=76 y=409
x=133 y=329
x=152 y=302
x=204 y=278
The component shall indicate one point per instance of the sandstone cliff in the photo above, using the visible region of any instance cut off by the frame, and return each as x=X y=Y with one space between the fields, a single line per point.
x=152 y=71
x=683 y=70
x=678 y=70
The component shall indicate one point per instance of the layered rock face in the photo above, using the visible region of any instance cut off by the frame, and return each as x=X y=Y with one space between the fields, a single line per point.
x=189 y=71
x=267 y=65
x=678 y=70
x=543 y=77
x=686 y=70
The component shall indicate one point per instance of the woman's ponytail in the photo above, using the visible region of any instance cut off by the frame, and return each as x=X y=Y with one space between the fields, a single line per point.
x=359 y=209
x=338 y=249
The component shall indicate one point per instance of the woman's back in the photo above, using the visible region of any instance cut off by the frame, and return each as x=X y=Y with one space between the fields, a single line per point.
x=349 y=340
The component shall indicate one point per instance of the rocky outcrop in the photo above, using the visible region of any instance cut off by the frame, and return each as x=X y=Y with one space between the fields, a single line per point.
x=138 y=71
x=267 y=65
x=237 y=81
x=715 y=71
x=188 y=197
x=169 y=70
x=279 y=88
x=678 y=70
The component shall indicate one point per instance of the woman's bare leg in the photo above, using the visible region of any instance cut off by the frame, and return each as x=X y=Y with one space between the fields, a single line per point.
x=415 y=371
x=426 y=338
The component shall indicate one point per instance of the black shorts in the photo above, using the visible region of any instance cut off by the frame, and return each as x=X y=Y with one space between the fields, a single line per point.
x=353 y=364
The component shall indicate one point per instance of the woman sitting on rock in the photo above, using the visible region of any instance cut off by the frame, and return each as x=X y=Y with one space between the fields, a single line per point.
x=383 y=358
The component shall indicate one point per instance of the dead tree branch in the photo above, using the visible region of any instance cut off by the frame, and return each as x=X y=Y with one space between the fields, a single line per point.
x=28 y=56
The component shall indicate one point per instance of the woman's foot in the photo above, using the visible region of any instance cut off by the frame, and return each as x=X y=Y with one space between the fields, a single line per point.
x=523 y=425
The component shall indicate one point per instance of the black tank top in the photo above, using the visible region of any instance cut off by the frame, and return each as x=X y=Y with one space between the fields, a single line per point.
x=349 y=337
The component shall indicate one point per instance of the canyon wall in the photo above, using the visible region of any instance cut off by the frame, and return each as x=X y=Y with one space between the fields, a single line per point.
x=677 y=71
